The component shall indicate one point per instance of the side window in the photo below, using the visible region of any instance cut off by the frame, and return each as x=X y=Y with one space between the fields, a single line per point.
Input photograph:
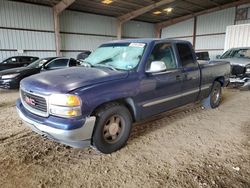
x=163 y=52
x=13 y=60
x=186 y=55
x=72 y=63
x=28 y=59
x=58 y=63
x=25 y=59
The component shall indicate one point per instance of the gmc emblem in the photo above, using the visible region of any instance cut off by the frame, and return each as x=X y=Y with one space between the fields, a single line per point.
x=30 y=101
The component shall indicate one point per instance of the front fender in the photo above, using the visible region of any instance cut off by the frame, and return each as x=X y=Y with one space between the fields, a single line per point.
x=96 y=95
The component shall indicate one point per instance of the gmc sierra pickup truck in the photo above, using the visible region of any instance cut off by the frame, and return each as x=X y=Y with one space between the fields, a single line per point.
x=120 y=83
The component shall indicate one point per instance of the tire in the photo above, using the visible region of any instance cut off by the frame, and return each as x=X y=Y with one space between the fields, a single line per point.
x=112 y=128
x=214 y=98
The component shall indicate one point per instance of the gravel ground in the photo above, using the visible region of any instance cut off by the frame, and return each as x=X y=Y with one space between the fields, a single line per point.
x=186 y=147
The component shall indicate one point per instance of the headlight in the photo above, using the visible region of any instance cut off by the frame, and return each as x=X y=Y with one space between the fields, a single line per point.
x=65 y=100
x=248 y=70
x=65 y=105
x=8 y=76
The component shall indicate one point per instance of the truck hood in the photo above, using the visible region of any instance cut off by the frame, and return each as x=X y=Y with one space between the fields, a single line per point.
x=238 y=61
x=69 y=79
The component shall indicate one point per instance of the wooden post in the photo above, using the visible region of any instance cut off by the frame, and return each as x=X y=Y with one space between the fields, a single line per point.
x=194 y=31
x=119 y=30
x=57 y=10
x=57 y=33
x=157 y=32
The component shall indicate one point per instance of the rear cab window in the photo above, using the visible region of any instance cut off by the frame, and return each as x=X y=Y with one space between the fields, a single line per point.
x=186 y=55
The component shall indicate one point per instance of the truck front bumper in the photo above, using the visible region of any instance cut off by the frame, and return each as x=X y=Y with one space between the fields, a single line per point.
x=79 y=138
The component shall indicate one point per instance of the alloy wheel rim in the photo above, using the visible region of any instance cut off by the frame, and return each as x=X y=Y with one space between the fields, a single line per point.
x=216 y=96
x=113 y=129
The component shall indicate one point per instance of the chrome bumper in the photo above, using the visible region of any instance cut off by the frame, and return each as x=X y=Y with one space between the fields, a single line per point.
x=78 y=138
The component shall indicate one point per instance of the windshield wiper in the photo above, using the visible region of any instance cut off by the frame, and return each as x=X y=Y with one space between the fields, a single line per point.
x=86 y=64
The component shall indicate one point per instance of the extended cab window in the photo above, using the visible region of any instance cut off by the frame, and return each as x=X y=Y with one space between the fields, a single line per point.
x=163 y=52
x=186 y=55
x=58 y=63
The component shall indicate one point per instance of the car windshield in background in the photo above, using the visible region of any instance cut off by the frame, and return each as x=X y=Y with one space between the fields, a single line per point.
x=38 y=63
x=120 y=56
x=236 y=53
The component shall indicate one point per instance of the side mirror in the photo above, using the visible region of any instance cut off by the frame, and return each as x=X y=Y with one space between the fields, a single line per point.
x=43 y=67
x=156 y=66
x=218 y=56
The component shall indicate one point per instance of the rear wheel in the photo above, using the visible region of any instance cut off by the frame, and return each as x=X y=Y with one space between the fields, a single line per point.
x=214 y=98
x=112 y=129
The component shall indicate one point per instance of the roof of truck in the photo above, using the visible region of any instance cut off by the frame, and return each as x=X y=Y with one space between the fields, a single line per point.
x=145 y=40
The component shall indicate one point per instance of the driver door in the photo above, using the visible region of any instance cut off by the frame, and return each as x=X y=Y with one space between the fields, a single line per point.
x=165 y=93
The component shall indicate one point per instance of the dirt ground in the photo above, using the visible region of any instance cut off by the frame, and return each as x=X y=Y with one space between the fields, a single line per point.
x=187 y=147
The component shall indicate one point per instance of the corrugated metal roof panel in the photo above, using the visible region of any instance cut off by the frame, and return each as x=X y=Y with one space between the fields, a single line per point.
x=20 y=15
x=138 y=29
x=237 y=36
x=77 y=22
x=210 y=42
x=179 y=30
x=215 y=22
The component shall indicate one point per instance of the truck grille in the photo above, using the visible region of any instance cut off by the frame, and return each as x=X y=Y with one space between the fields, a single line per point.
x=34 y=103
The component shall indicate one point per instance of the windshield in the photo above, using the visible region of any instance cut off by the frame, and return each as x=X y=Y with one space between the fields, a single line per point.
x=38 y=63
x=236 y=53
x=119 y=56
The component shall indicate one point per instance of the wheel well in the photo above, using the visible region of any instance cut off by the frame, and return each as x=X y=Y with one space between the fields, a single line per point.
x=124 y=102
x=221 y=80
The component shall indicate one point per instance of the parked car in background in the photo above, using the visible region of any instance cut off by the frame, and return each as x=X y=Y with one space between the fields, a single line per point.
x=10 y=79
x=202 y=56
x=239 y=59
x=17 y=61
x=126 y=81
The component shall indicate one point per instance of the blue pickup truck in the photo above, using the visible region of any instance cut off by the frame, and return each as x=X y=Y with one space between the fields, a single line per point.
x=120 y=83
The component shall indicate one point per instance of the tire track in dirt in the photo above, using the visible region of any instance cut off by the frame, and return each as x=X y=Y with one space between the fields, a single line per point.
x=15 y=137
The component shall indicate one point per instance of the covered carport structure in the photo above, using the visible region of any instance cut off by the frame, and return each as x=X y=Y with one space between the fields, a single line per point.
x=161 y=13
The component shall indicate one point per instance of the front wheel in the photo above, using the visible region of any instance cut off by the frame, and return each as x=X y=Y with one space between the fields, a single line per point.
x=112 y=129
x=214 y=98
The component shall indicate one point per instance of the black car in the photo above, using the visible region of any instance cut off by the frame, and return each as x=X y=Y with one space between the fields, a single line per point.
x=10 y=79
x=17 y=61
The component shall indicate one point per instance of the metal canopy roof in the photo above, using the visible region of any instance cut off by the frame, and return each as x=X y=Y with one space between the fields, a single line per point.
x=121 y=7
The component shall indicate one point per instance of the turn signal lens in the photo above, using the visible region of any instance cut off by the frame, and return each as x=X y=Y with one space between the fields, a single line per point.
x=72 y=113
x=65 y=111
x=65 y=100
x=73 y=100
